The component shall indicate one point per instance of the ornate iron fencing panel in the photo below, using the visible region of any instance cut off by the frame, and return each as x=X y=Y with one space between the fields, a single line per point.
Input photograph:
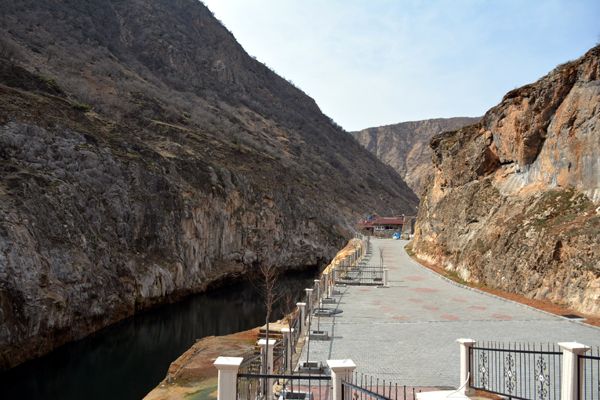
x=517 y=371
x=589 y=375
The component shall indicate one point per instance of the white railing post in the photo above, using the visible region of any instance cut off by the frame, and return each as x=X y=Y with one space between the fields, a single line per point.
x=318 y=289
x=465 y=365
x=340 y=370
x=227 y=379
x=309 y=301
x=269 y=367
x=385 y=277
x=302 y=308
x=290 y=345
x=326 y=285
x=569 y=388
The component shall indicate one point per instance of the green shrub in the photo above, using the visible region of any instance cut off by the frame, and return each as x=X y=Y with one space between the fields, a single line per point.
x=81 y=106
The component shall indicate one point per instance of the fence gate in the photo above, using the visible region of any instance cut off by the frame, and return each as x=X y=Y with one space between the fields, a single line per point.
x=359 y=275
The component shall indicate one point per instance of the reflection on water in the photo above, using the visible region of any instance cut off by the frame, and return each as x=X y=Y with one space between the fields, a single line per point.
x=127 y=360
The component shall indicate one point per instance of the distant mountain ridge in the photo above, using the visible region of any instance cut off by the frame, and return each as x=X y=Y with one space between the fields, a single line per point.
x=405 y=146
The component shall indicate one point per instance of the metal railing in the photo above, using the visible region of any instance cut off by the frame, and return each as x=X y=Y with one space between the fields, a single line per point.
x=589 y=375
x=361 y=275
x=359 y=271
x=364 y=387
x=284 y=386
x=288 y=350
x=517 y=371
x=252 y=380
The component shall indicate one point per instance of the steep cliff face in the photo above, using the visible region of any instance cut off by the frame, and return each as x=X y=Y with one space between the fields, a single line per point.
x=144 y=156
x=514 y=202
x=405 y=146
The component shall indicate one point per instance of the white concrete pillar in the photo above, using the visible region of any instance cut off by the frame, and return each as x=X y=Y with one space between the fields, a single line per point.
x=569 y=390
x=340 y=370
x=269 y=367
x=289 y=333
x=385 y=277
x=317 y=289
x=227 y=381
x=302 y=308
x=327 y=288
x=309 y=301
x=465 y=365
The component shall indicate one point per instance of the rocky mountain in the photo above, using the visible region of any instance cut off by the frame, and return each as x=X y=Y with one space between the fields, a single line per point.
x=405 y=146
x=144 y=156
x=515 y=199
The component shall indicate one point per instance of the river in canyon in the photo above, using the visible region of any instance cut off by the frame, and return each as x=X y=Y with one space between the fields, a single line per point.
x=128 y=359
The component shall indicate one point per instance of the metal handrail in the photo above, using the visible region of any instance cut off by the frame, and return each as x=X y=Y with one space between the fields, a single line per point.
x=286 y=376
x=589 y=357
x=506 y=350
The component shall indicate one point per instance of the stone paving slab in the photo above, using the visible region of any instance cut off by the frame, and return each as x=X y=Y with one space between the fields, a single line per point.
x=407 y=332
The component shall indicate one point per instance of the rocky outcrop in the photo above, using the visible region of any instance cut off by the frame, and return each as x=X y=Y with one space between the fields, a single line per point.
x=405 y=146
x=514 y=201
x=145 y=156
x=193 y=373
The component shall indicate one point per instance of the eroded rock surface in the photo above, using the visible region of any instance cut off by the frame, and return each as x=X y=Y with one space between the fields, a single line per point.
x=405 y=146
x=145 y=156
x=514 y=202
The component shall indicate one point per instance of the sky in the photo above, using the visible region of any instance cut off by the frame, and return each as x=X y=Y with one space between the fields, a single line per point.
x=377 y=62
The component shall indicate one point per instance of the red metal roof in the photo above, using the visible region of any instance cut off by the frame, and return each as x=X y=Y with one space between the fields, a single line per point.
x=382 y=221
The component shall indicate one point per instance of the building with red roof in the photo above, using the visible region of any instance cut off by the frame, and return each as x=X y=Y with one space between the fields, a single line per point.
x=384 y=225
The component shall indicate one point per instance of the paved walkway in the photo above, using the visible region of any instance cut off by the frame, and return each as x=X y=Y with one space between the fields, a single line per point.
x=407 y=332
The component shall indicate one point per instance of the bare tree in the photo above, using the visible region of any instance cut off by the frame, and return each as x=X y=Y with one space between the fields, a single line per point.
x=291 y=313
x=266 y=281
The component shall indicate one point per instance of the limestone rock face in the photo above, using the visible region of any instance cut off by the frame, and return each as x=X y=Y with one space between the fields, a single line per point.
x=514 y=201
x=405 y=146
x=145 y=156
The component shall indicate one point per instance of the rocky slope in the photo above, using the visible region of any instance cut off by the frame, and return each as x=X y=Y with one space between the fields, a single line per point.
x=144 y=156
x=515 y=200
x=405 y=146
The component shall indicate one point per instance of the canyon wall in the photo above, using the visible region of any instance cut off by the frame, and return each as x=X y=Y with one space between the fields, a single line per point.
x=144 y=156
x=514 y=202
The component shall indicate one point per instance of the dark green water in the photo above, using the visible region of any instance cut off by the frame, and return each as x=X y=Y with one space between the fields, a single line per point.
x=127 y=360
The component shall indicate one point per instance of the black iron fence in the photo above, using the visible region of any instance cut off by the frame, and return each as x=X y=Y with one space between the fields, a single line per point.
x=589 y=375
x=288 y=348
x=517 y=371
x=283 y=386
x=364 y=387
